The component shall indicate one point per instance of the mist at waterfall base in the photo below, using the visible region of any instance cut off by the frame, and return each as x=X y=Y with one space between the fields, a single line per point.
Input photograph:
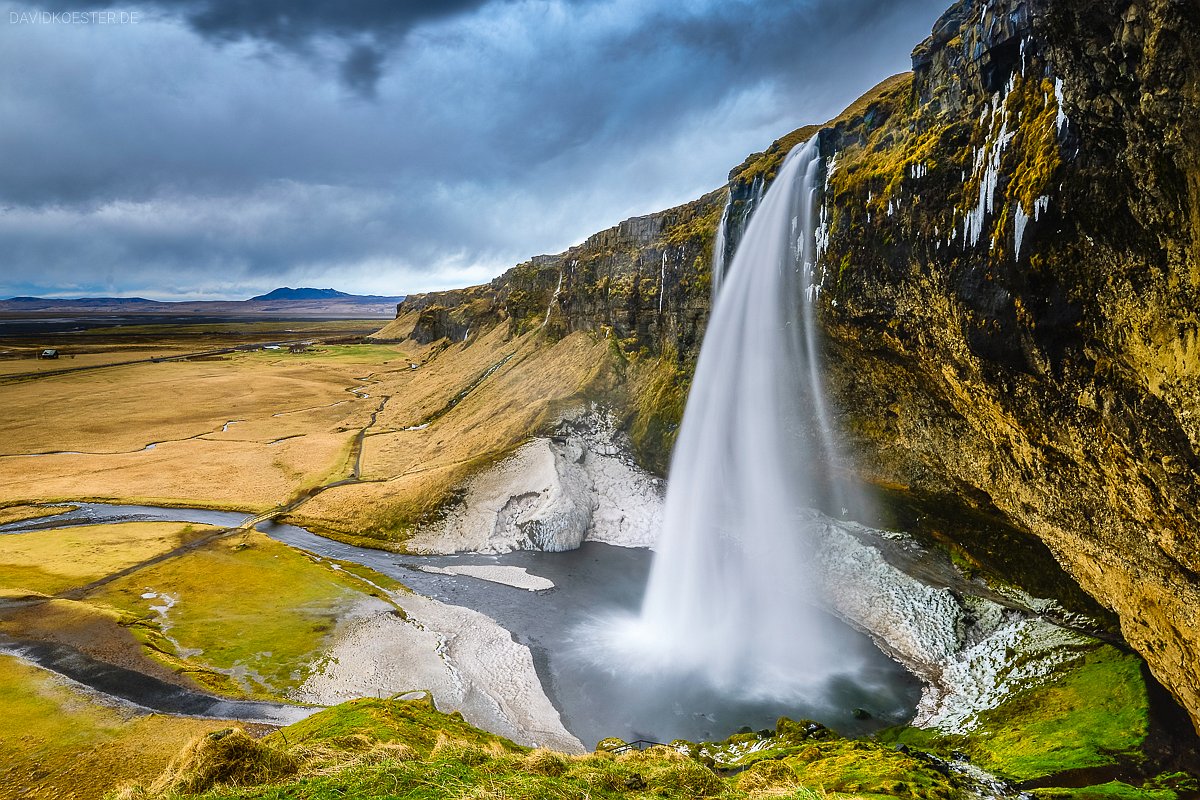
x=731 y=603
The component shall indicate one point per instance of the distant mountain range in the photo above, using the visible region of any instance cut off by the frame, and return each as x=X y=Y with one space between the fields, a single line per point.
x=304 y=301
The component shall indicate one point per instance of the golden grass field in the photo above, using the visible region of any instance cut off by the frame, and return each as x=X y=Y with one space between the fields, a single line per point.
x=27 y=362
x=258 y=430
x=52 y=561
x=231 y=612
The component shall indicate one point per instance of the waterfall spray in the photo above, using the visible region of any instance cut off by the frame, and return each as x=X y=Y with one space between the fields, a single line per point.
x=730 y=597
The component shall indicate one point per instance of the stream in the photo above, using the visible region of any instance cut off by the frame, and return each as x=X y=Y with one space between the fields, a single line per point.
x=595 y=696
x=145 y=691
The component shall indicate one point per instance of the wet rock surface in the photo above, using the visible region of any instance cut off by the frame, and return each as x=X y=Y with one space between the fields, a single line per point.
x=1011 y=286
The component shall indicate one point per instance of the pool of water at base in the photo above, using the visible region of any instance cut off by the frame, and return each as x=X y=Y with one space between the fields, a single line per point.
x=596 y=695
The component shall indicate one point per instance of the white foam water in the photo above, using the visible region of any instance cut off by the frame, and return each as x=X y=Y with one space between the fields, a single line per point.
x=730 y=597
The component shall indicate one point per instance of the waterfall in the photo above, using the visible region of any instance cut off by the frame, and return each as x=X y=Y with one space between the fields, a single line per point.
x=730 y=598
x=718 y=258
x=553 y=297
x=662 y=282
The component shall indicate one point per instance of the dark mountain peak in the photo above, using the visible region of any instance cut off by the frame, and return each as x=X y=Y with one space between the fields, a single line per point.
x=305 y=293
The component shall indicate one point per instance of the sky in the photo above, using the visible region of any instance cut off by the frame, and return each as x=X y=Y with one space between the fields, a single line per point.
x=216 y=149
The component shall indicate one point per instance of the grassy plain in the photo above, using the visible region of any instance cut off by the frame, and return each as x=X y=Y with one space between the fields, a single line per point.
x=288 y=424
x=243 y=615
x=28 y=362
x=169 y=432
x=57 y=742
x=52 y=561
x=116 y=344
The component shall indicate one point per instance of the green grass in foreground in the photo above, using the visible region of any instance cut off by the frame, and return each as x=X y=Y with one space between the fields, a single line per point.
x=405 y=749
x=249 y=616
x=1093 y=715
x=56 y=742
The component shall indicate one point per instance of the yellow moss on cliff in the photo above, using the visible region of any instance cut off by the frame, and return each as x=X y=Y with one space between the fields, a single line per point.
x=880 y=101
x=1026 y=127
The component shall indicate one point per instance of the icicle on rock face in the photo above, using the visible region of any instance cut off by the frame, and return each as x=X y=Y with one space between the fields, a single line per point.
x=730 y=595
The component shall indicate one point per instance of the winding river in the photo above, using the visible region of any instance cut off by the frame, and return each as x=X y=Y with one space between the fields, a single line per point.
x=595 y=696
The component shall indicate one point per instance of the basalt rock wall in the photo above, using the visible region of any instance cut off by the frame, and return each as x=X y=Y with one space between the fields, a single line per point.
x=644 y=282
x=1010 y=291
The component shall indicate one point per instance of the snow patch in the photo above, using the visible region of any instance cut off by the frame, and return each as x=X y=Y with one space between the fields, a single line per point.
x=517 y=577
x=553 y=494
x=970 y=652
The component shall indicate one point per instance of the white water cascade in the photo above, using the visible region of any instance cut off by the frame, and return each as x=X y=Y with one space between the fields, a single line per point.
x=730 y=597
x=718 y=259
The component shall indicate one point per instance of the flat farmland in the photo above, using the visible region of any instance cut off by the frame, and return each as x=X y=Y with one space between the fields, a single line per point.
x=353 y=439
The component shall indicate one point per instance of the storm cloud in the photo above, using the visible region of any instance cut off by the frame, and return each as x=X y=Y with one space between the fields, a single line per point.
x=218 y=148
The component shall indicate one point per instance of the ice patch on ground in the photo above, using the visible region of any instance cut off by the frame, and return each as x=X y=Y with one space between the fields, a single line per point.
x=970 y=652
x=553 y=494
x=517 y=577
x=463 y=658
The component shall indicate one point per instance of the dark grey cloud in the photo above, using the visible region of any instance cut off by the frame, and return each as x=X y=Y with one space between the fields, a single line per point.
x=370 y=26
x=362 y=69
x=219 y=139
x=294 y=23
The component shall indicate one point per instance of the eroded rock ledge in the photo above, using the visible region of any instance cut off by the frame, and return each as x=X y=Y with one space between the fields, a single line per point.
x=552 y=494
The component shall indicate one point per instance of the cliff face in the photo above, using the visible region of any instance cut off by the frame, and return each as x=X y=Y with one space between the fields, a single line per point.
x=643 y=285
x=644 y=282
x=1010 y=290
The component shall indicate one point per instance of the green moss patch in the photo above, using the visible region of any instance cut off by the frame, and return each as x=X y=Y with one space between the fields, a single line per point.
x=807 y=754
x=1095 y=715
x=243 y=616
x=661 y=388
x=1114 y=790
